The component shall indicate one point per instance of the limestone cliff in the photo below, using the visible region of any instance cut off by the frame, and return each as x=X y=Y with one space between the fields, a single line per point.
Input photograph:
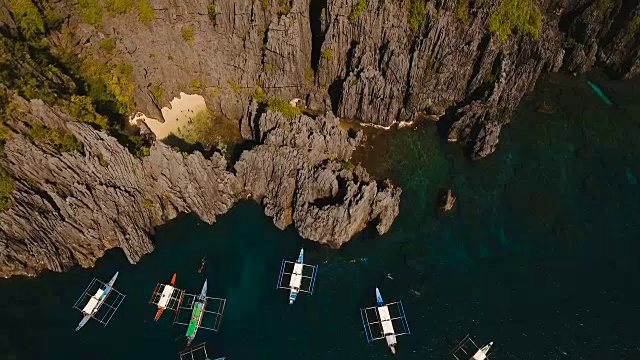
x=69 y=207
x=379 y=61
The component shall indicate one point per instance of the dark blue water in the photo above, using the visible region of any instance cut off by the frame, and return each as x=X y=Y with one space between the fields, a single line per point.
x=540 y=256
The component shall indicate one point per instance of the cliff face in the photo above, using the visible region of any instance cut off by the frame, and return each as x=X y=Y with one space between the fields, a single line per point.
x=70 y=207
x=378 y=66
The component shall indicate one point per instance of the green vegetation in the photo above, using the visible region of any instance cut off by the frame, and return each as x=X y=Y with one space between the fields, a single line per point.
x=327 y=53
x=264 y=4
x=28 y=18
x=211 y=10
x=234 y=86
x=268 y=67
x=346 y=165
x=157 y=91
x=260 y=95
x=604 y=6
x=118 y=7
x=108 y=45
x=91 y=12
x=520 y=15
x=109 y=85
x=197 y=86
x=309 y=74
x=148 y=203
x=285 y=7
x=145 y=12
x=6 y=188
x=189 y=35
x=417 y=13
x=462 y=10
x=634 y=26
x=357 y=10
x=289 y=111
x=61 y=138
x=81 y=107
x=215 y=91
x=103 y=162
x=206 y=131
x=52 y=18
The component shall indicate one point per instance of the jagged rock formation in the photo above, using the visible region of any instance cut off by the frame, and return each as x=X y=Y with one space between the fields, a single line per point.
x=69 y=208
x=301 y=175
x=375 y=68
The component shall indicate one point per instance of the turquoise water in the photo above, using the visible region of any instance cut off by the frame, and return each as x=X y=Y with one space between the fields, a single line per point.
x=540 y=256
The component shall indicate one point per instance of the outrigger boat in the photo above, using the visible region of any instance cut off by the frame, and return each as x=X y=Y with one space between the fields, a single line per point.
x=97 y=301
x=299 y=279
x=196 y=306
x=196 y=352
x=468 y=347
x=385 y=321
x=166 y=297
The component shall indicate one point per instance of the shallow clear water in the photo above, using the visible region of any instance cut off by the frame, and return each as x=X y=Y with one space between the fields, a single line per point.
x=540 y=255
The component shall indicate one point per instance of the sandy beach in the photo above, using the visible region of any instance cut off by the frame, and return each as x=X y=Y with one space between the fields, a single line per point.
x=181 y=109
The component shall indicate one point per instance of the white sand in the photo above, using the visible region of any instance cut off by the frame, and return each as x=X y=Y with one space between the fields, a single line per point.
x=181 y=110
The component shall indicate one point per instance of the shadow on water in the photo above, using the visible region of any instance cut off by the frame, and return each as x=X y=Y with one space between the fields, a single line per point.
x=539 y=255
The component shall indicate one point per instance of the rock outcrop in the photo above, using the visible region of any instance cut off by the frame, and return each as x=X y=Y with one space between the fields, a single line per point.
x=301 y=175
x=70 y=207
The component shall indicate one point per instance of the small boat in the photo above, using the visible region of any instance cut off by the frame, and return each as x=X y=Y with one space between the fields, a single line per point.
x=201 y=266
x=468 y=350
x=299 y=280
x=165 y=296
x=296 y=278
x=192 y=309
x=196 y=314
x=380 y=324
x=96 y=301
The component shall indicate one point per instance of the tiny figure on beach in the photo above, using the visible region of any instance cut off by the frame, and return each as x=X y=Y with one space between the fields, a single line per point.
x=201 y=265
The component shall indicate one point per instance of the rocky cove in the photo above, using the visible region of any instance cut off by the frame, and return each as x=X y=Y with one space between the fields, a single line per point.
x=468 y=63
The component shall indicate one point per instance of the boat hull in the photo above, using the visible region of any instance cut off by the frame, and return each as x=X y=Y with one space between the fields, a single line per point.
x=84 y=320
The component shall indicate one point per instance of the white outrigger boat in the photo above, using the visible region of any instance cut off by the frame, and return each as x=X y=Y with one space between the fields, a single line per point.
x=166 y=296
x=385 y=321
x=468 y=350
x=299 y=279
x=94 y=298
x=196 y=352
x=196 y=306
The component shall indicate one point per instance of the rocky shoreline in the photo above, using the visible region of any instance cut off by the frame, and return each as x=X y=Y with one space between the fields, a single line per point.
x=70 y=207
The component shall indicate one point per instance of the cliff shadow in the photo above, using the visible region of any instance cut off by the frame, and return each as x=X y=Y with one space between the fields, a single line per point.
x=316 y=8
x=183 y=146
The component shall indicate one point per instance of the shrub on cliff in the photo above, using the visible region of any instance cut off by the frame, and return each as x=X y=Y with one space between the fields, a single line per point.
x=108 y=45
x=81 y=107
x=145 y=12
x=417 y=13
x=189 y=35
x=282 y=106
x=462 y=10
x=118 y=7
x=327 y=53
x=60 y=138
x=6 y=188
x=520 y=15
x=357 y=10
x=28 y=18
x=91 y=12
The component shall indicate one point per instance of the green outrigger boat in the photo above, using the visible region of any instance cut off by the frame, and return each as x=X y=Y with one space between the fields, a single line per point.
x=197 y=314
x=198 y=307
